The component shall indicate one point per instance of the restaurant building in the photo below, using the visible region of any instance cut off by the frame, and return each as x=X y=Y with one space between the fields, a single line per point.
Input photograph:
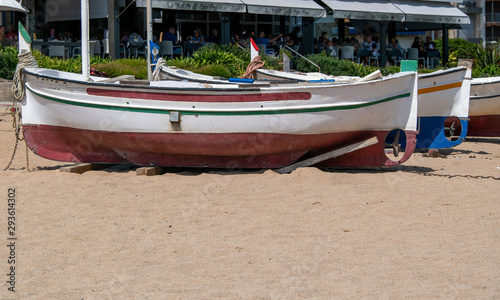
x=116 y=18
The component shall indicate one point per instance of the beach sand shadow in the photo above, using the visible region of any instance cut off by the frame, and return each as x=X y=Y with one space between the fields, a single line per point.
x=488 y=140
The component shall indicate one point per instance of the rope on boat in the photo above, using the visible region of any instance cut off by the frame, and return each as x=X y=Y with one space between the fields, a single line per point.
x=159 y=64
x=255 y=64
x=25 y=60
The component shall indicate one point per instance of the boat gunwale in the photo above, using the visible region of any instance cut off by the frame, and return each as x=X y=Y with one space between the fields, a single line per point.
x=484 y=83
x=209 y=111
x=444 y=72
x=246 y=88
x=479 y=97
x=159 y=88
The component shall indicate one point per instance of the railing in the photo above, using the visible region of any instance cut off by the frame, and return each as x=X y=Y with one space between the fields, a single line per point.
x=297 y=53
x=467 y=4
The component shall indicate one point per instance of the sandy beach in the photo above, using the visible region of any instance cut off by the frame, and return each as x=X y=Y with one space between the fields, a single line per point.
x=326 y=234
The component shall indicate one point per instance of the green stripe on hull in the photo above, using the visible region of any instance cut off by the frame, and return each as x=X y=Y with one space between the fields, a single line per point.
x=221 y=113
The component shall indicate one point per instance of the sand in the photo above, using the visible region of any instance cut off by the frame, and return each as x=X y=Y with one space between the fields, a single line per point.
x=338 y=234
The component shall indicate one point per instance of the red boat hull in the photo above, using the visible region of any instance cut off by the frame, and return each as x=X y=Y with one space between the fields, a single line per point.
x=487 y=126
x=227 y=150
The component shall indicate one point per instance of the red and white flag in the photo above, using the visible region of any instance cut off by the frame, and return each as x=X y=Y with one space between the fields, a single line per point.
x=254 y=50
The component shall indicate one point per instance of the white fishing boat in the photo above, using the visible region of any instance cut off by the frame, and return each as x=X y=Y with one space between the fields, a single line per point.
x=443 y=103
x=443 y=107
x=170 y=123
x=484 y=108
x=79 y=118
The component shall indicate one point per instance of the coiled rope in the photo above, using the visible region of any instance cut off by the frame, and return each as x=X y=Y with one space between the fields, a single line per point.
x=159 y=64
x=25 y=60
x=255 y=64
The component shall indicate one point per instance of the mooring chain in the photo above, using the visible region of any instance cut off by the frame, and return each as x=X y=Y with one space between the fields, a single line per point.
x=455 y=175
x=406 y=170
x=18 y=93
x=16 y=124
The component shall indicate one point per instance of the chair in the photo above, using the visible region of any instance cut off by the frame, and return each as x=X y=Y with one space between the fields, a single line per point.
x=335 y=51
x=105 y=47
x=168 y=48
x=433 y=59
x=137 y=47
x=395 y=56
x=58 y=51
x=96 y=48
x=348 y=53
x=370 y=58
x=123 y=50
x=262 y=48
x=77 y=51
x=413 y=55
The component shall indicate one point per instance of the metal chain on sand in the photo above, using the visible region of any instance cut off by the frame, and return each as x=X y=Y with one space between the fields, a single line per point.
x=25 y=59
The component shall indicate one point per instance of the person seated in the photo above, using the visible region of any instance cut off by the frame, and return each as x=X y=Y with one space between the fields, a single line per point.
x=322 y=42
x=265 y=41
x=374 y=51
x=12 y=35
x=68 y=37
x=3 y=36
x=124 y=38
x=135 y=37
x=198 y=37
x=331 y=49
x=239 y=41
x=289 y=41
x=365 y=52
x=296 y=36
x=52 y=35
x=417 y=44
x=214 y=37
x=368 y=43
x=430 y=45
x=394 y=50
x=171 y=36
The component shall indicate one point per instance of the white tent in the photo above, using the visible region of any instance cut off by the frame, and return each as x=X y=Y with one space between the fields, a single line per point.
x=11 y=5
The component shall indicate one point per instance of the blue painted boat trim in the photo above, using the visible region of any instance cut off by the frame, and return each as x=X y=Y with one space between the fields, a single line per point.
x=431 y=133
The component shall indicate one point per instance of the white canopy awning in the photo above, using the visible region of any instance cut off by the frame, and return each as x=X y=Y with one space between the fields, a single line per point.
x=199 y=5
x=11 y=5
x=431 y=12
x=304 y=8
x=70 y=10
x=298 y=8
x=381 y=10
x=424 y=11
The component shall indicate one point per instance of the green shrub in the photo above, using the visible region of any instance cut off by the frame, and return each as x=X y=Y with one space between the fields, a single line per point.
x=333 y=66
x=127 y=66
x=233 y=58
x=458 y=48
x=215 y=70
x=8 y=61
